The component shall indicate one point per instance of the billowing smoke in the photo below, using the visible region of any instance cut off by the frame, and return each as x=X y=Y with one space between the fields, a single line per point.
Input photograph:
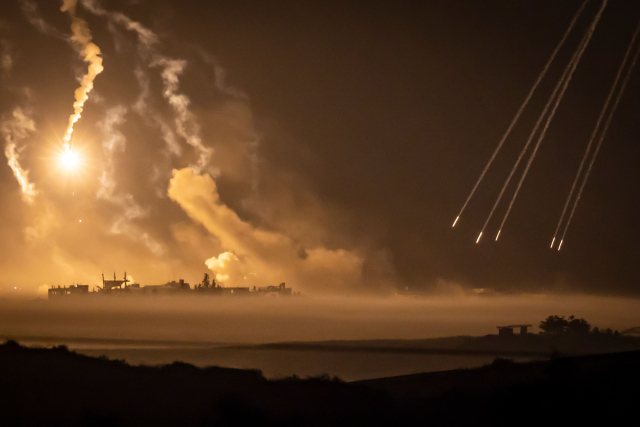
x=267 y=255
x=81 y=38
x=16 y=129
x=228 y=269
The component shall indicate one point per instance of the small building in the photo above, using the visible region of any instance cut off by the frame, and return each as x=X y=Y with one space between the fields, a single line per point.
x=237 y=290
x=507 y=331
x=110 y=285
x=76 y=289
x=168 y=288
x=180 y=285
x=281 y=290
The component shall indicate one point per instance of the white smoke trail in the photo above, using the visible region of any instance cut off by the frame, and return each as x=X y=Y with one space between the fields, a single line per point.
x=597 y=149
x=566 y=75
x=521 y=109
x=141 y=106
x=15 y=130
x=186 y=124
x=81 y=38
x=30 y=11
x=596 y=129
x=220 y=75
x=115 y=142
x=552 y=113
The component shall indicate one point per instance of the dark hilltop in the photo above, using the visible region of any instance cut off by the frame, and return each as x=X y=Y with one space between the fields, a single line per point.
x=59 y=387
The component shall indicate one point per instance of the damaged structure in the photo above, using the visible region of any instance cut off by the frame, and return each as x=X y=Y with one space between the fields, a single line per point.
x=206 y=287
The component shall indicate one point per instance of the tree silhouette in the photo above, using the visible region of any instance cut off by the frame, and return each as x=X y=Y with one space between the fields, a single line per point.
x=205 y=281
x=554 y=324
x=578 y=326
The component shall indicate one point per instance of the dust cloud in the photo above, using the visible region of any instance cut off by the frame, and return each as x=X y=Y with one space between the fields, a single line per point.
x=261 y=320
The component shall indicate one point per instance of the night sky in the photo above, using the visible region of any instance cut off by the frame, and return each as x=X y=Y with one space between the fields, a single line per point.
x=344 y=138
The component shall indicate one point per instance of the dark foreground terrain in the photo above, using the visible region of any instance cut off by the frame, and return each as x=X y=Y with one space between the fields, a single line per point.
x=59 y=387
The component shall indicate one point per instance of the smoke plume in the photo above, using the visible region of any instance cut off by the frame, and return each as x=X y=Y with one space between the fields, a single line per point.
x=269 y=257
x=15 y=130
x=81 y=38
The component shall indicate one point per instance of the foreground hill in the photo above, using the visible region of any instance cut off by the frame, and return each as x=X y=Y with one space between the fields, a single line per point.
x=58 y=387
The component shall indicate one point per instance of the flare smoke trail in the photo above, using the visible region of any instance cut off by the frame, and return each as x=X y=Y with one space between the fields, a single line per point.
x=30 y=10
x=596 y=129
x=15 y=130
x=185 y=121
x=565 y=75
x=186 y=124
x=81 y=38
x=522 y=107
x=602 y=135
x=551 y=115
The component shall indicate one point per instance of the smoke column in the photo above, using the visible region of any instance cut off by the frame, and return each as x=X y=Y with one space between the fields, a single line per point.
x=567 y=71
x=552 y=114
x=522 y=107
x=602 y=135
x=595 y=130
x=81 y=38
x=15 y=130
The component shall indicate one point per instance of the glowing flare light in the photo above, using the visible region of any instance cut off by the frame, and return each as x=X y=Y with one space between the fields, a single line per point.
x=70 y=161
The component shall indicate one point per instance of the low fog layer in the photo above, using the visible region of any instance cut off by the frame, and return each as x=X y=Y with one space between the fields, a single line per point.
x=259 y=320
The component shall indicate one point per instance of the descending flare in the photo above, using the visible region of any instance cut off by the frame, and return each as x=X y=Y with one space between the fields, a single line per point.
x=522 y=107
x=587 y=152
x=602 y=136
x=479 y=236
x=81 y=38
x=553 y=102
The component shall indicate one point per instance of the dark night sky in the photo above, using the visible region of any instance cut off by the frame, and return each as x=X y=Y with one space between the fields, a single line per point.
x=386 y=112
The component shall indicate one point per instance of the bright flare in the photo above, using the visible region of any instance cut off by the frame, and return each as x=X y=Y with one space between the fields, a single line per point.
x=479 y=237
x=454 y=222
x=69 y=160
